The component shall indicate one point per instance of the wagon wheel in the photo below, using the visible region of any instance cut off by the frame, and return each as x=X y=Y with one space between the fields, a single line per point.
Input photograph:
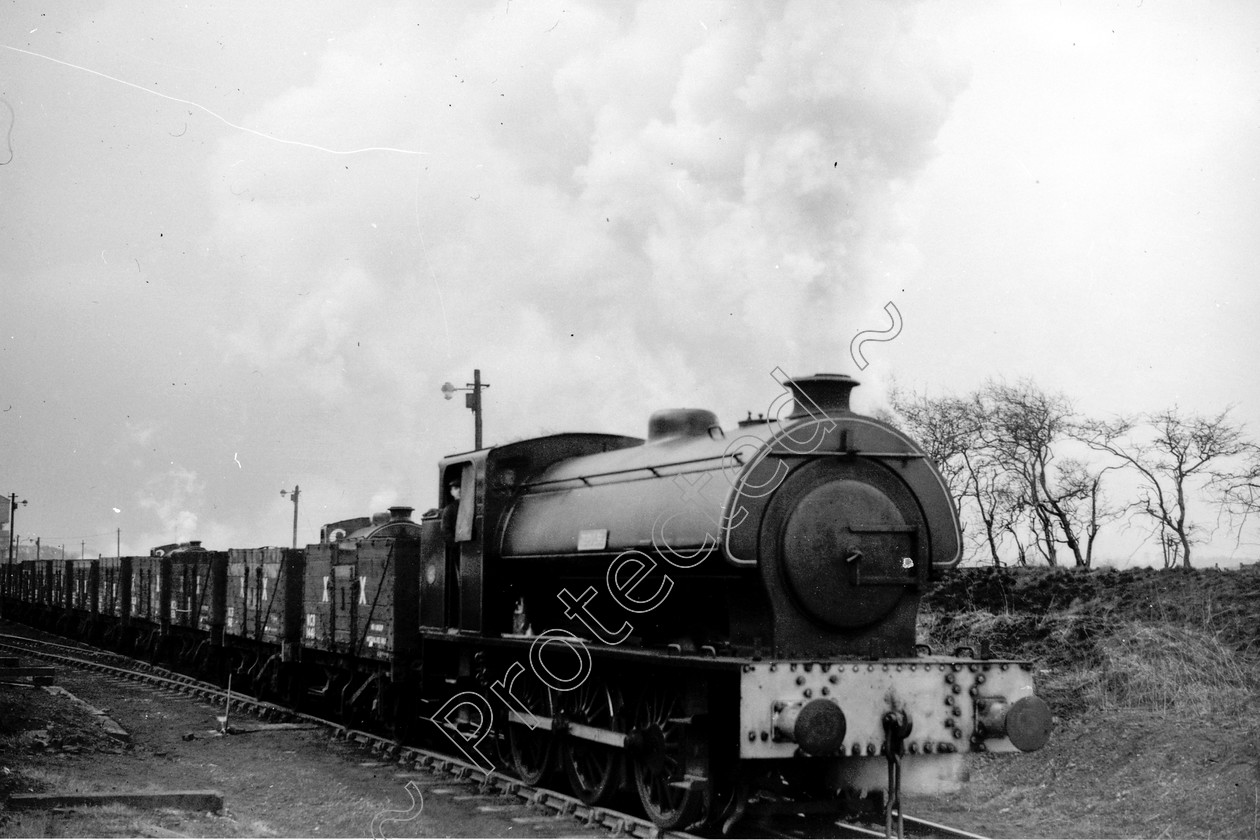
x=531 y=749
x=292 y=688
x=659 y=739
x=215 y=666
x=594 y=770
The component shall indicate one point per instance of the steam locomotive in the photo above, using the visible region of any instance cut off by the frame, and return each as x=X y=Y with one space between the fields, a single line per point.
x=710 y=620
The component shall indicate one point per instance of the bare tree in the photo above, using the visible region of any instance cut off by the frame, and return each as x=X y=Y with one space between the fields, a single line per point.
x=996 y=449
x=991 y=495
x=1238 y=489
x=1015 y=523
x=1023 y=427
x=1084 y=503
x=943 y=426
x=1170 y=545
x=949 y=429
x=1172 y=453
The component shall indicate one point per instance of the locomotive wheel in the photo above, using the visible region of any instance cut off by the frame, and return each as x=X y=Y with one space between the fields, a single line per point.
x=531 y=750
x=594 y=770
x=660 y=745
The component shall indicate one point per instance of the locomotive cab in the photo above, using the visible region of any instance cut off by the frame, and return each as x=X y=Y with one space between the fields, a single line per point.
x=466 y=583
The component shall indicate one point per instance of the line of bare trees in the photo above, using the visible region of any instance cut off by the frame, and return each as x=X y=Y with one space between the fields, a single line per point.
x=1029 y=475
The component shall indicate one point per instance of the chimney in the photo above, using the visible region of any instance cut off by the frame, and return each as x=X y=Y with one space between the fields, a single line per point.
x=400 y=514
x=825 y=392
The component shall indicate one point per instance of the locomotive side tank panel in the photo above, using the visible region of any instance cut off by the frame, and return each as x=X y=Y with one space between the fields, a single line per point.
x=826 y=524
x=467 y=585
x=692 y=481
x=669 y=489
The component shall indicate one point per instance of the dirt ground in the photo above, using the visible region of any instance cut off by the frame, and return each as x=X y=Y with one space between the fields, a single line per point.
x=281 y=783
x=1153 y=677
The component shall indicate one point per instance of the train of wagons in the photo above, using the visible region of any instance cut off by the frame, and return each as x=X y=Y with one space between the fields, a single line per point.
x=708 y=620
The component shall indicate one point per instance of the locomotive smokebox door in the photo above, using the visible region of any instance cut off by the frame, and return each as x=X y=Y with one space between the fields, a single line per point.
x=848 y=553
x=845 y=554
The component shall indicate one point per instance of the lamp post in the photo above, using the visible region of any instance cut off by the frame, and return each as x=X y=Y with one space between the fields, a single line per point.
x=297 y=491
x=472 y=400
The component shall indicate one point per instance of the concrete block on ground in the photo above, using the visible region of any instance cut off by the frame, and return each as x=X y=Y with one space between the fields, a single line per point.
x=26 y=671
x=111 y=727
x=184 y=800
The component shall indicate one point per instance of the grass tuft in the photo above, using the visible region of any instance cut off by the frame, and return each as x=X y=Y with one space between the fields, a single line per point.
x=1169 y=668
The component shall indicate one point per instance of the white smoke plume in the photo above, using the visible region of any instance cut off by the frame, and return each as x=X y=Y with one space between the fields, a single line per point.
x=681 y=197
x=169 y=498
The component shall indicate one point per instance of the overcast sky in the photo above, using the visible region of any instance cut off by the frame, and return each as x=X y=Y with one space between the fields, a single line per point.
x=242 y=245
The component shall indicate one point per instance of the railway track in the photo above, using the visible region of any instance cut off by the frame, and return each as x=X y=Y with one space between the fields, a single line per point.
x=616 y=823
x=412 y=758
x=799 y=828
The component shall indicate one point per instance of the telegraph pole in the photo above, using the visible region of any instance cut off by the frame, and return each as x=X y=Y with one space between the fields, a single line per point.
x=472 y=401
x=297 y=491
x=13 y=506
